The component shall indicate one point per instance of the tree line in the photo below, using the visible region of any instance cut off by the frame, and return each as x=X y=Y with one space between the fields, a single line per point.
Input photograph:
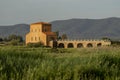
x=12 y=39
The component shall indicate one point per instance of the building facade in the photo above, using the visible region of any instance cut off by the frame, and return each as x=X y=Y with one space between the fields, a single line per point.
x=87 y=43
x=42 y=32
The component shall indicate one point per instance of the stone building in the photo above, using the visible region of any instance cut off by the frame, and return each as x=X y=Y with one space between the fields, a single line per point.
x=41 y=32
x=81 y=43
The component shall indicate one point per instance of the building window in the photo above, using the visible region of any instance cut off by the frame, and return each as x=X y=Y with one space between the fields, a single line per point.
x=31 y=30
x=35 y=30
x=35 y=38
x=52 y=38
x=31 y=38
x=44 y=29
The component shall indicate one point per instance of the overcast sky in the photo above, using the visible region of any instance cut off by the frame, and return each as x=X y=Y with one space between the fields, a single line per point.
x=29 y=11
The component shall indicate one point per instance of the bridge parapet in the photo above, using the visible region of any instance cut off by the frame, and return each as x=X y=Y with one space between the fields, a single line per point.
x=75 y=43
x=83 y=40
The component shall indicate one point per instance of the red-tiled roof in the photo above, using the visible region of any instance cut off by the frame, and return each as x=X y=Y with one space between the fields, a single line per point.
x=41 y=23
x=49 y=33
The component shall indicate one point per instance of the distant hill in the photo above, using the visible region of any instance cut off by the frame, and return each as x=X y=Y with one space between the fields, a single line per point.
x=74 y=28
x=19 y=29
x=89 y=28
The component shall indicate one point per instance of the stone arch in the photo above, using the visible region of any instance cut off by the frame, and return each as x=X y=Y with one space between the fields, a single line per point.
x=70 y=45
x=99 y=44
x=61 y=45
x=89 y=45
x=79 y=45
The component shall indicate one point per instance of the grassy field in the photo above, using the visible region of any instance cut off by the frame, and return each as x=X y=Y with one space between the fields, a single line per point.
x=22 y=63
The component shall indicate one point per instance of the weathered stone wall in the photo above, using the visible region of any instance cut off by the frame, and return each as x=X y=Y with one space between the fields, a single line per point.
x=81 y=43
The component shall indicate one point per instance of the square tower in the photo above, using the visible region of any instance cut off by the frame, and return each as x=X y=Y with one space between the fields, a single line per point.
x=40 y=32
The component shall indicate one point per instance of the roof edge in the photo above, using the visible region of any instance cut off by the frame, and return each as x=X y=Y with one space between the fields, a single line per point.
x=40 y=23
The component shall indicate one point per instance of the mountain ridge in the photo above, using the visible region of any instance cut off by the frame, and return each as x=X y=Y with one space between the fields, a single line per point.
x=75 y=28
x=89 y=28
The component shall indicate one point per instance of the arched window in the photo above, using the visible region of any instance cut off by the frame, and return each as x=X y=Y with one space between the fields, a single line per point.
x=35 y=38
x=31 y=38
x=35 y=30
x=31 y=30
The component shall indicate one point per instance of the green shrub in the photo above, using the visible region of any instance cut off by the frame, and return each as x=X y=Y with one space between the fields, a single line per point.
x=14 y=42
x=39 y=44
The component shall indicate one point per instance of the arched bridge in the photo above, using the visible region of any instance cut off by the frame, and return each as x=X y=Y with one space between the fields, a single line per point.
x=80 y=43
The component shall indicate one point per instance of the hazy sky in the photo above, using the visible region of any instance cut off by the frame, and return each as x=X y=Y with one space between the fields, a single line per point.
x=29 y=11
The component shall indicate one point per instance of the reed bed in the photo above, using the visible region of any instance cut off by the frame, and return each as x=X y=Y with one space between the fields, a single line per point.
x=22 y=63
